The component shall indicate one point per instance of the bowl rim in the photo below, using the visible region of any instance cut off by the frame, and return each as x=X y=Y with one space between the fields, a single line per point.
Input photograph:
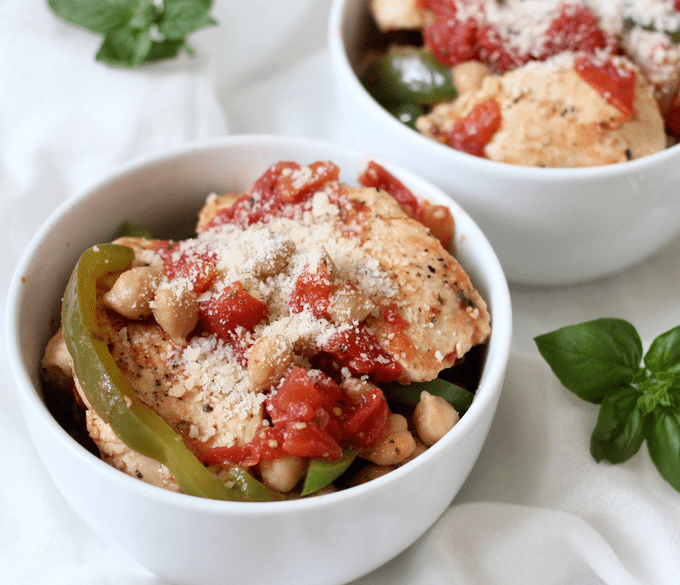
x=340 y=62
x=492 y=375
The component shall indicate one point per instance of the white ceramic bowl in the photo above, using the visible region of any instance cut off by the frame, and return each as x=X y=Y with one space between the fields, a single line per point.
x=328 y=539
x=548 y=226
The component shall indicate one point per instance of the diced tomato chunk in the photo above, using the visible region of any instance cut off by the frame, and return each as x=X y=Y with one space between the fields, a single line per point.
x=369 y=422
x=615 y=82
x=229 y=309
x=295 y=399
x=197 y=267
x=672 y=115
x=294 y=185
x=308 y=439
x=312 y=291
x=439 y=220
x=379 y=177
x=574 y=29
x=359 y=351
x=473 y=133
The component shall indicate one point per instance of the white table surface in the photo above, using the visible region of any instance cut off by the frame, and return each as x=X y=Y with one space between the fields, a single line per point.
x=536 y=508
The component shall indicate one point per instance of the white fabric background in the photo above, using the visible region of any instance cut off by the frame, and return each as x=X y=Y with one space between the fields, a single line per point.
x=536 y=510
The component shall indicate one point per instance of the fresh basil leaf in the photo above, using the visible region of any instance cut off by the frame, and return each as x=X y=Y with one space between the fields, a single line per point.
x=130 y=230
x=125 y=46
x=664 y=353
x=98 y=16
x=409 y=395
x=166 y=50
x=594 y=357
x=620 y=428
x=656 y=391
x=180 y=18
x=663 y=442
x=321 y=472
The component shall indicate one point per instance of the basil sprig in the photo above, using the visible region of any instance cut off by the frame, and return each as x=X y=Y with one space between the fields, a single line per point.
x=137 y=31
x=602 y=361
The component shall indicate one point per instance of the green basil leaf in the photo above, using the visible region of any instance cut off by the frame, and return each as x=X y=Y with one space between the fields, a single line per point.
x=663 y=442
x=321 y=472
x=180 y=18
x=98 y=16
x=620 y=428
x=161 y=50
x=409 y=395
x=664 y=353
x=592 y=357
x=125 y=47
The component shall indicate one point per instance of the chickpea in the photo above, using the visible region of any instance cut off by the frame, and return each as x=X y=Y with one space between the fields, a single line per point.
x=397 y=446
x=176 y=311
x=468 y=76
x=348 y=305
x=433 y=417
x=133 y=291
x=283 y=473
x=268 y=360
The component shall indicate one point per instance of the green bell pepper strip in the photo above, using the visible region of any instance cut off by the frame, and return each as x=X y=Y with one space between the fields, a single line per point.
x=321 y=472
x=408 y=75
x=131 y=230
x=409 y=395
x=406 y=113
x=110 y=393
x=253 y=489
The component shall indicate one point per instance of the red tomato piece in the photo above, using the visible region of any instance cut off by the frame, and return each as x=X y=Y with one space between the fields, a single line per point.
x=359 y=351
x=574 y=29
x=452 y=41
x=312 y=291
x=439 y=220
x=379 y=177
x=296 y=183
x=196 y=266
x=614 y=82
x=308 y=439
x=224 y=312
x=672 y=115
x=296 y=399
x=473 y=133
x=370 y=420
x=496 y=51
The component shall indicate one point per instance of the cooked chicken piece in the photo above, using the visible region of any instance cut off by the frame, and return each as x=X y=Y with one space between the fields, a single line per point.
x=444 y=315
x=214 y=204
x=398 y=14
x=117 y=454
x=552 y=118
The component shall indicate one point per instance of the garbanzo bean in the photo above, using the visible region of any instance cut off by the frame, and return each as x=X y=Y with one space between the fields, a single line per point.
x=133 y=291
x=176 y=311
x=433 y=417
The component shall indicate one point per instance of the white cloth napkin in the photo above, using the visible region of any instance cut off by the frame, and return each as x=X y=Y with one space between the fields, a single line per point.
x=536 y=509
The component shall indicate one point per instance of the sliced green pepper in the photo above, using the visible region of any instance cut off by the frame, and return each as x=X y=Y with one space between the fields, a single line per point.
x=321 y=472
x=409 y=75
x=407 y=113
x=110 y=393
x=409 y=395
x=131 y=230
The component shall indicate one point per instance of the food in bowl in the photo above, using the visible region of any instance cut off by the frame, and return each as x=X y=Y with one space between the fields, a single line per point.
x=559 y=83
x=303 y=341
